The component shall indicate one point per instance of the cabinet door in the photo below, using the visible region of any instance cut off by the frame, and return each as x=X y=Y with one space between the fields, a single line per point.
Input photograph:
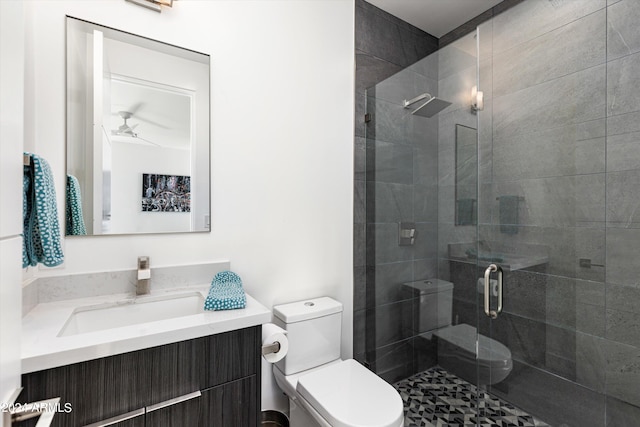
x=177 y=369
x=230 y=405
x=183 y=413
x=231 y=355
x=96 y=389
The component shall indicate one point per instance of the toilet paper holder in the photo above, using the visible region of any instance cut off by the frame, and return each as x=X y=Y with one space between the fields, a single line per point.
x=271 y=348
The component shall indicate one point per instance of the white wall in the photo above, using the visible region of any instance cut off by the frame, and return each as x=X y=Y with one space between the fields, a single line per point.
x=12 y=42
x=282 y=89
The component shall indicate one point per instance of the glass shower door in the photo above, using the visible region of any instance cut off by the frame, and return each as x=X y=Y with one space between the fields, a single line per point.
x=543 y=224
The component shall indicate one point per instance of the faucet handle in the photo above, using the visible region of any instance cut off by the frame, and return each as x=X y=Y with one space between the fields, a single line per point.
x=143 y=263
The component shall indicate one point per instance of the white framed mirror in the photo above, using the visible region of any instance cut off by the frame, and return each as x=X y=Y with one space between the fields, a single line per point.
x=138 y=134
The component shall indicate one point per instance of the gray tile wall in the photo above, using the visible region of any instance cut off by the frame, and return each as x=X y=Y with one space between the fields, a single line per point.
x=385 y=191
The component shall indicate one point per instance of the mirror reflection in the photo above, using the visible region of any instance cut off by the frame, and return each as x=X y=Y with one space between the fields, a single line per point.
x=466 y=175
x=137 y=134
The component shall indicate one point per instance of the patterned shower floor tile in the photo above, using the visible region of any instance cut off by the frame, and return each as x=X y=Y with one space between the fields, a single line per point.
x=437 y=398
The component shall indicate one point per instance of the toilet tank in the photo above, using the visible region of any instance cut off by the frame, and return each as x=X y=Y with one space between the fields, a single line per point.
x=432 y=304
x=314 y=329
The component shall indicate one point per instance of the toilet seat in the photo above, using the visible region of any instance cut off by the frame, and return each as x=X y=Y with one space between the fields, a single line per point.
x=346 y=394
x=491 y=353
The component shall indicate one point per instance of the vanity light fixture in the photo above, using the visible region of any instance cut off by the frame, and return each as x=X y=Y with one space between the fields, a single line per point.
x=477 y=99
x=152 y=4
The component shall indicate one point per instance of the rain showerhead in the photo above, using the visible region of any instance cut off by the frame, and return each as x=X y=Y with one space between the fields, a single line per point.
x=429 y=108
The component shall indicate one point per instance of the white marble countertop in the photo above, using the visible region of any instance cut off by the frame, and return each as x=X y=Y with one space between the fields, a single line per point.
x=42 y=348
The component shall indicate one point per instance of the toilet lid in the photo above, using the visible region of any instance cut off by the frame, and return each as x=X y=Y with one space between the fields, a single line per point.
x=490 y=351
x=347 y=394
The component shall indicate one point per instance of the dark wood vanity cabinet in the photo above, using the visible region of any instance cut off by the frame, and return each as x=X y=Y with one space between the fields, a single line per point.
x=224 y=368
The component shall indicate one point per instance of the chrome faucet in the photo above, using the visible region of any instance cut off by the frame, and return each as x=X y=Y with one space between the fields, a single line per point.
x=143 y=285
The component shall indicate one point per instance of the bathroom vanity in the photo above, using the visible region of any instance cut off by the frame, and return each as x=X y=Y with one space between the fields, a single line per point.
x=194 y=370
x=213 y=380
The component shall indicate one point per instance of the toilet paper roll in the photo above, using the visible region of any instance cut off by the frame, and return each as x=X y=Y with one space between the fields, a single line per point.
x=273 y=333
x=493 y=285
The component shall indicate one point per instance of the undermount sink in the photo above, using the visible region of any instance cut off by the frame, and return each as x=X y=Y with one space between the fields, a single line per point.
x=132 y=311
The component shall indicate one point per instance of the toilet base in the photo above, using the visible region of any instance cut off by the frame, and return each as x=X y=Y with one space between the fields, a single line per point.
x=299 y=417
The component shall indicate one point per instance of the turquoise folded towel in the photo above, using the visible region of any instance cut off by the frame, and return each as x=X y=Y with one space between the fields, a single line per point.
x=74 y=220
x=41 y=230
x=226 y=292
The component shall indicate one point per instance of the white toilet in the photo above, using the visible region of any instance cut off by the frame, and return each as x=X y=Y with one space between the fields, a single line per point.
x=457 y=344
x=324 y=390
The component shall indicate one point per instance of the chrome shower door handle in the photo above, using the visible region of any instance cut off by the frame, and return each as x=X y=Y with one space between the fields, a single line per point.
x=487 y=291
x=499 y=308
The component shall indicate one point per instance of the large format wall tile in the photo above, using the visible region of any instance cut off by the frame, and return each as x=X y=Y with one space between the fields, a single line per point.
x=425 y=268
x=388 y=281
x=591 y=362
x=623 y=152
x=624 y=123
x=391 y=322
x=391 y=122
x=575 y=304
x=566 y=150
x=623 y=327
x=456 y=57
x=623 y=31
x=623 y=372
x=532 y=19
x=569 y=201
x=426 y=245
x=425 y=203
x=385 y=36
x=370 y=70
x=427 y=66
x=560 y=102
x=623 y=199
x=543 y=58
x=621 y=414
x=623 y=267
x=392 y=202
x=625 y=298
x=623 y=81
x=425 y=165
x=388 y=162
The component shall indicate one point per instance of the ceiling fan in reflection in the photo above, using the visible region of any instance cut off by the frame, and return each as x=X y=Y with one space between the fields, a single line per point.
x=128 y=131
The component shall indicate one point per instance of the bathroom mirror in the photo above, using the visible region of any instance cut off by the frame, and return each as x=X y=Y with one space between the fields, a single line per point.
x=466 y=175
x=137 y=134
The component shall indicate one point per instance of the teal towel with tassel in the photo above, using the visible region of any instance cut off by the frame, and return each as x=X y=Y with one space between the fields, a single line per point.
x=41 y=241
x=74 y=220
x=226 y=292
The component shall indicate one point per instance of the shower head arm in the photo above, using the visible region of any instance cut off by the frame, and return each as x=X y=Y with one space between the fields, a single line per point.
x=416 y=99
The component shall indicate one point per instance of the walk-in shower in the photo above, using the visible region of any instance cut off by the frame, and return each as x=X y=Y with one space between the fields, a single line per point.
x=543 y=183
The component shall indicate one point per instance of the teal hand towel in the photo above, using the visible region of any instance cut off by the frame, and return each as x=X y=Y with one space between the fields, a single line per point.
x=41 y=230
x=74 y=220
x=226 y=292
